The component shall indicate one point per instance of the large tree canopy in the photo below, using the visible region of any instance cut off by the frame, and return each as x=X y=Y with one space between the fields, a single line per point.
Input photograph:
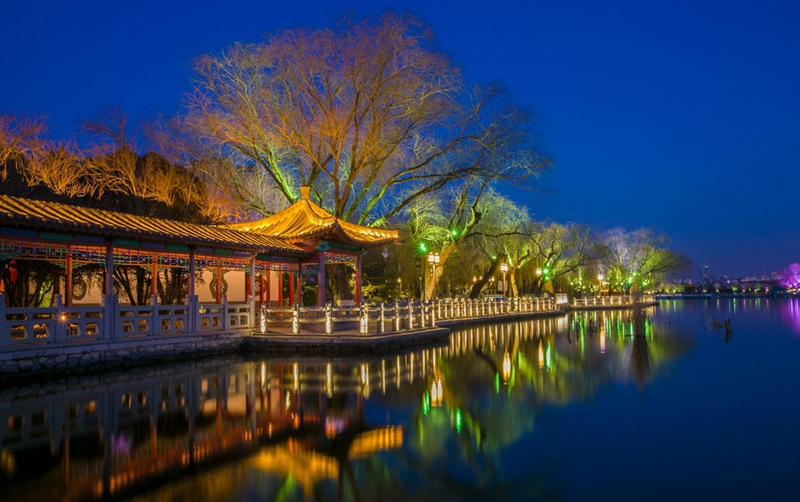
x=369 y=114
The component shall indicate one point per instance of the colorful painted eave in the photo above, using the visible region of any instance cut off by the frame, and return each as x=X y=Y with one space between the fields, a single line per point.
x=306 y=221
x=55 y=217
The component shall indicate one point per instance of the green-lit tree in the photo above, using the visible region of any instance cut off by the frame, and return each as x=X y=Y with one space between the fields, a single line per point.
x=634 y=260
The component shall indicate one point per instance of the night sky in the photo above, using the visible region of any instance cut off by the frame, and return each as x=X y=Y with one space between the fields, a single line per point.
x=682 y=116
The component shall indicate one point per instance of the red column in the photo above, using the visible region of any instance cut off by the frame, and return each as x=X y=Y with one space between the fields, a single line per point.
x=280 y=288
x=269 y=285
x=321 y=279
x=68 y=280
x=260 y=290
x=191 y=271
x=153 y=274
x=218 y=292
x=109 y=282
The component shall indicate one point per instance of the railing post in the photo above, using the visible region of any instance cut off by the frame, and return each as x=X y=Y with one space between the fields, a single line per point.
x=111 y=320
x=439 y=308
x=410 y=316
x=192 y=313
x=60 y=326
x=5 y=330
x=423 y=311
x=396 y=320
x=223 y=323
x=328 y=318
x=155 y=321
x=295 y=319
x=251 y=307
x=381 y=317
x=263 y=318
x=363 y=321
x=433 y=318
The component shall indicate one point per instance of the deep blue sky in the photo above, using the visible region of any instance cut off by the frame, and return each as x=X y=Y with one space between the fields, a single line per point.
x=683 y=116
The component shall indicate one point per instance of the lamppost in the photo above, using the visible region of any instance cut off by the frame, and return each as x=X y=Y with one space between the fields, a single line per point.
x=433 y=259
x=504 y=269
x=400 y=285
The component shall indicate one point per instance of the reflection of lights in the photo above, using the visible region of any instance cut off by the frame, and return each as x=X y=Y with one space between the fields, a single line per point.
x=296 y=376
x=288 y=400
x=506 y=367
x=436 y=393
x=263 y=376
x=426 y=403
x=547 y=356
x=602 y=344
x=541 y=355
x=329 y=381
x=333 y=426
x=457 y=420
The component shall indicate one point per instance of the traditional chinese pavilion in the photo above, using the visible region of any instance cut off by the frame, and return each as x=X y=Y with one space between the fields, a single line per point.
x=307 y=226
x=274 y=249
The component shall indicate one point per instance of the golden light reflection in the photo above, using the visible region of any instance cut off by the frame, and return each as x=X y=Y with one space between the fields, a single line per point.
x=329 y=381
x=541 y=355
x=436 y=392
x=506 y=367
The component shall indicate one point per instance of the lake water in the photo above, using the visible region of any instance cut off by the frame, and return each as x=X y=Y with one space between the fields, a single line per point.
x=575 y=408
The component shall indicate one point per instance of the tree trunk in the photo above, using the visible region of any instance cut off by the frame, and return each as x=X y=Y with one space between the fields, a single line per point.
x=480 y=283
x=339 y=285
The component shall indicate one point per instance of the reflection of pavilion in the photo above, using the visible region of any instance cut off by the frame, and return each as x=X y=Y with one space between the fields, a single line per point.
x=311 y=466
x=146 y=425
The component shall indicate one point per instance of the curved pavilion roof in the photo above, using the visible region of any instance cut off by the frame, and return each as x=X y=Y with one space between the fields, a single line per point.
x=56 y=217
x=305 y=221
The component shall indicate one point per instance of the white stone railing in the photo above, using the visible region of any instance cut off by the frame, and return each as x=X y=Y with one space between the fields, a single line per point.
x=610 y=301
x=112 y=321
x=397 y=316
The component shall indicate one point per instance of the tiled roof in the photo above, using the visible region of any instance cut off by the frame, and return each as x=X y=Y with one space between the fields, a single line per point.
x=53 y=216
x=304 y=220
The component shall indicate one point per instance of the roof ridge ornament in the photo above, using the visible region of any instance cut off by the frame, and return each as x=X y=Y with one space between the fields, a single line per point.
x=305 y=190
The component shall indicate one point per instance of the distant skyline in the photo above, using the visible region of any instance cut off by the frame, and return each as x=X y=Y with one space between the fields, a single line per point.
x=680 y=116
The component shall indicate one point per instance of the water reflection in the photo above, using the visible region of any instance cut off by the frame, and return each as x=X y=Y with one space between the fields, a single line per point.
x=790 y=314
x=429 y=424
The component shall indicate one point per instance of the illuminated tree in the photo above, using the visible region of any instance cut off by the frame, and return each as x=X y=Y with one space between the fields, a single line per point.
x=790 y=276
x=635 y=259
x=369 y=114
x=554 y=251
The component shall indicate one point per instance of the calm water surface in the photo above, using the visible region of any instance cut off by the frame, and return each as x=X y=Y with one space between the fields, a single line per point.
x=560 y=409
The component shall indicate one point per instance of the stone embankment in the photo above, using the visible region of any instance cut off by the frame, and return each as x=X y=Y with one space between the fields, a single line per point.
x=66 y=357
